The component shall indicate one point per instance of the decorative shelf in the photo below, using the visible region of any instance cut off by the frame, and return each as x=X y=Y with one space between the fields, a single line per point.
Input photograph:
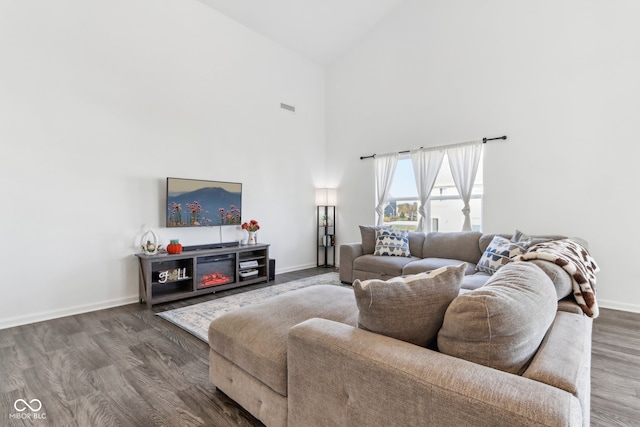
x=326 y=236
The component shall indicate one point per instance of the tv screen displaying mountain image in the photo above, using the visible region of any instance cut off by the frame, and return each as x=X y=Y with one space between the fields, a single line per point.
x=199 y=203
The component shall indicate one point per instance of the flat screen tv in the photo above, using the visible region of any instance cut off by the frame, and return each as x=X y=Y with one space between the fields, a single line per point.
x=199 y=203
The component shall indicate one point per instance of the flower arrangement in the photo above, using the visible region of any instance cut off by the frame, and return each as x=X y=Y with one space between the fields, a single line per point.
x=251 y=226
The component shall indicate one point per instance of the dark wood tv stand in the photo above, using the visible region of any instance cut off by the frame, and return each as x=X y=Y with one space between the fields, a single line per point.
x=165 y=277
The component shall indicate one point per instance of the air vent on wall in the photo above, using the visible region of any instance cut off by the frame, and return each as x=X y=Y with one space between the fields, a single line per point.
x=288 y=107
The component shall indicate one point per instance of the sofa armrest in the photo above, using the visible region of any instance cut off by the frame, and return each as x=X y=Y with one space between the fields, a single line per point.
x=348 y=253
x=564 y=358
x=339 y=375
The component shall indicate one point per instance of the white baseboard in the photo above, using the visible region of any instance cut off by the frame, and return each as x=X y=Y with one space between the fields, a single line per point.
x=294 y=268
x=615 y=305
x=70 y=311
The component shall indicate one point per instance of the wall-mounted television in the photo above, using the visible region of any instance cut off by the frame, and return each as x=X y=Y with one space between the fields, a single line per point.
x=199 y=203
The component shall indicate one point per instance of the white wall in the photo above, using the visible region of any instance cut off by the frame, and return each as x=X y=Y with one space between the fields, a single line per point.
x=559 y=78
x=100 y=101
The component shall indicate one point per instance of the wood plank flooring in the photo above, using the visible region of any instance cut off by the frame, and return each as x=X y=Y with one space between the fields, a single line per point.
x=615 y=369
x=125 y=366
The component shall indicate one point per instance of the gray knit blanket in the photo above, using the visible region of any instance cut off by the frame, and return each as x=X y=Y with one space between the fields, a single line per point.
x=576 y=261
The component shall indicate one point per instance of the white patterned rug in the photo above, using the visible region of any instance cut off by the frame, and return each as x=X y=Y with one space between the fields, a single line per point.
x=195 y=318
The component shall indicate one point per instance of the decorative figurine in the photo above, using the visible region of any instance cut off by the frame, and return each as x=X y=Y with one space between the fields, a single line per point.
x=150 y=242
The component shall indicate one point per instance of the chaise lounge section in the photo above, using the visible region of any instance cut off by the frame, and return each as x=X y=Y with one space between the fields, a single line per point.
x=248 y=346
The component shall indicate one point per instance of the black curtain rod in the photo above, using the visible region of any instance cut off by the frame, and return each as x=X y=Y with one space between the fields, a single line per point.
x=484 y=141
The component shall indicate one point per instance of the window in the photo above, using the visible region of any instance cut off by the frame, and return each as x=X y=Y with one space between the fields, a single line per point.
x=444 y=208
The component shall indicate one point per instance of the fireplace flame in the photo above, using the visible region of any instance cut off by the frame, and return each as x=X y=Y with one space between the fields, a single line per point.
x=215 y=279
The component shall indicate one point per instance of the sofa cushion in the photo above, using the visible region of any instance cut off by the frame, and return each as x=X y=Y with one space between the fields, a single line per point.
x=462 y=245
x=558 y=275
x=254 y=337
x=429 y=264
x=498 y=253
x=392 y=243
x=368 y=236
x=501 y=324
x=475 y=281
x=416 y=242
x=382 y=265
x=560 y=278
x=408 y=308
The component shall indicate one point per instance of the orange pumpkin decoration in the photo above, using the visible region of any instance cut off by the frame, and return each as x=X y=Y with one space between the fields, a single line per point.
x=174 y=247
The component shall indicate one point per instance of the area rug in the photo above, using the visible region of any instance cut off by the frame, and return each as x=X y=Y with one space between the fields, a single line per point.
x=195 y=318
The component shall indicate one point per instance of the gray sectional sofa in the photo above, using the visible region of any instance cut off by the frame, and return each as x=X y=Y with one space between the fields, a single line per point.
x=514 y=352
x=434 y=250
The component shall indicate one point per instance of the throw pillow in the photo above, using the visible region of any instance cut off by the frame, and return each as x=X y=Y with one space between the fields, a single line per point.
x=502 y=324
x=368 y=234
x=408 y=308
x=392 y=243
x=498 y=253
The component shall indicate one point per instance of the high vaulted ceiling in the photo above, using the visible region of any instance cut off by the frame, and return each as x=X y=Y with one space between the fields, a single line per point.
x=320 y=30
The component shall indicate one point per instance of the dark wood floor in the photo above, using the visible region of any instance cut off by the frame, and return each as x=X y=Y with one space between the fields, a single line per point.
x=615 y=369
x=125 y=366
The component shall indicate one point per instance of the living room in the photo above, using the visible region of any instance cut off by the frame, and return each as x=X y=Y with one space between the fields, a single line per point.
x=106 y=101
x=101 y=101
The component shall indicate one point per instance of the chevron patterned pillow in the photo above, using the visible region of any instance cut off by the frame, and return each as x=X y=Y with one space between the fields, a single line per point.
x=392 y=243
x=499 y=252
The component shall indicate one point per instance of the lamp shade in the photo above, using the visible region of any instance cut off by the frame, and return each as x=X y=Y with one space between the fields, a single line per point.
x=326 y=196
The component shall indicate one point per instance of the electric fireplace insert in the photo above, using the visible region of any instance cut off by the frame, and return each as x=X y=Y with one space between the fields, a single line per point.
x=215 y=270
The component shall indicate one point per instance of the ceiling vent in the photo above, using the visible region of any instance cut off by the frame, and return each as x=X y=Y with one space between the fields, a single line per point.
x=288 y=107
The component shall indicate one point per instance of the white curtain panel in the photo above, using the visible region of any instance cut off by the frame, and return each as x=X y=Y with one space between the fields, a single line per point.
x=385 y=165
x=463 y=161
x=426 y=165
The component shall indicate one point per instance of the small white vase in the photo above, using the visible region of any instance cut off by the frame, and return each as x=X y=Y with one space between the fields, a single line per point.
x=252 y=238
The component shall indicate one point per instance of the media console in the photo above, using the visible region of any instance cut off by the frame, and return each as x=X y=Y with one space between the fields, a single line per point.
x=165 y=277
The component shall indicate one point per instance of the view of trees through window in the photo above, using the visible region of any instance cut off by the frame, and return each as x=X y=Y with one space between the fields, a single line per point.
x=444 y=208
